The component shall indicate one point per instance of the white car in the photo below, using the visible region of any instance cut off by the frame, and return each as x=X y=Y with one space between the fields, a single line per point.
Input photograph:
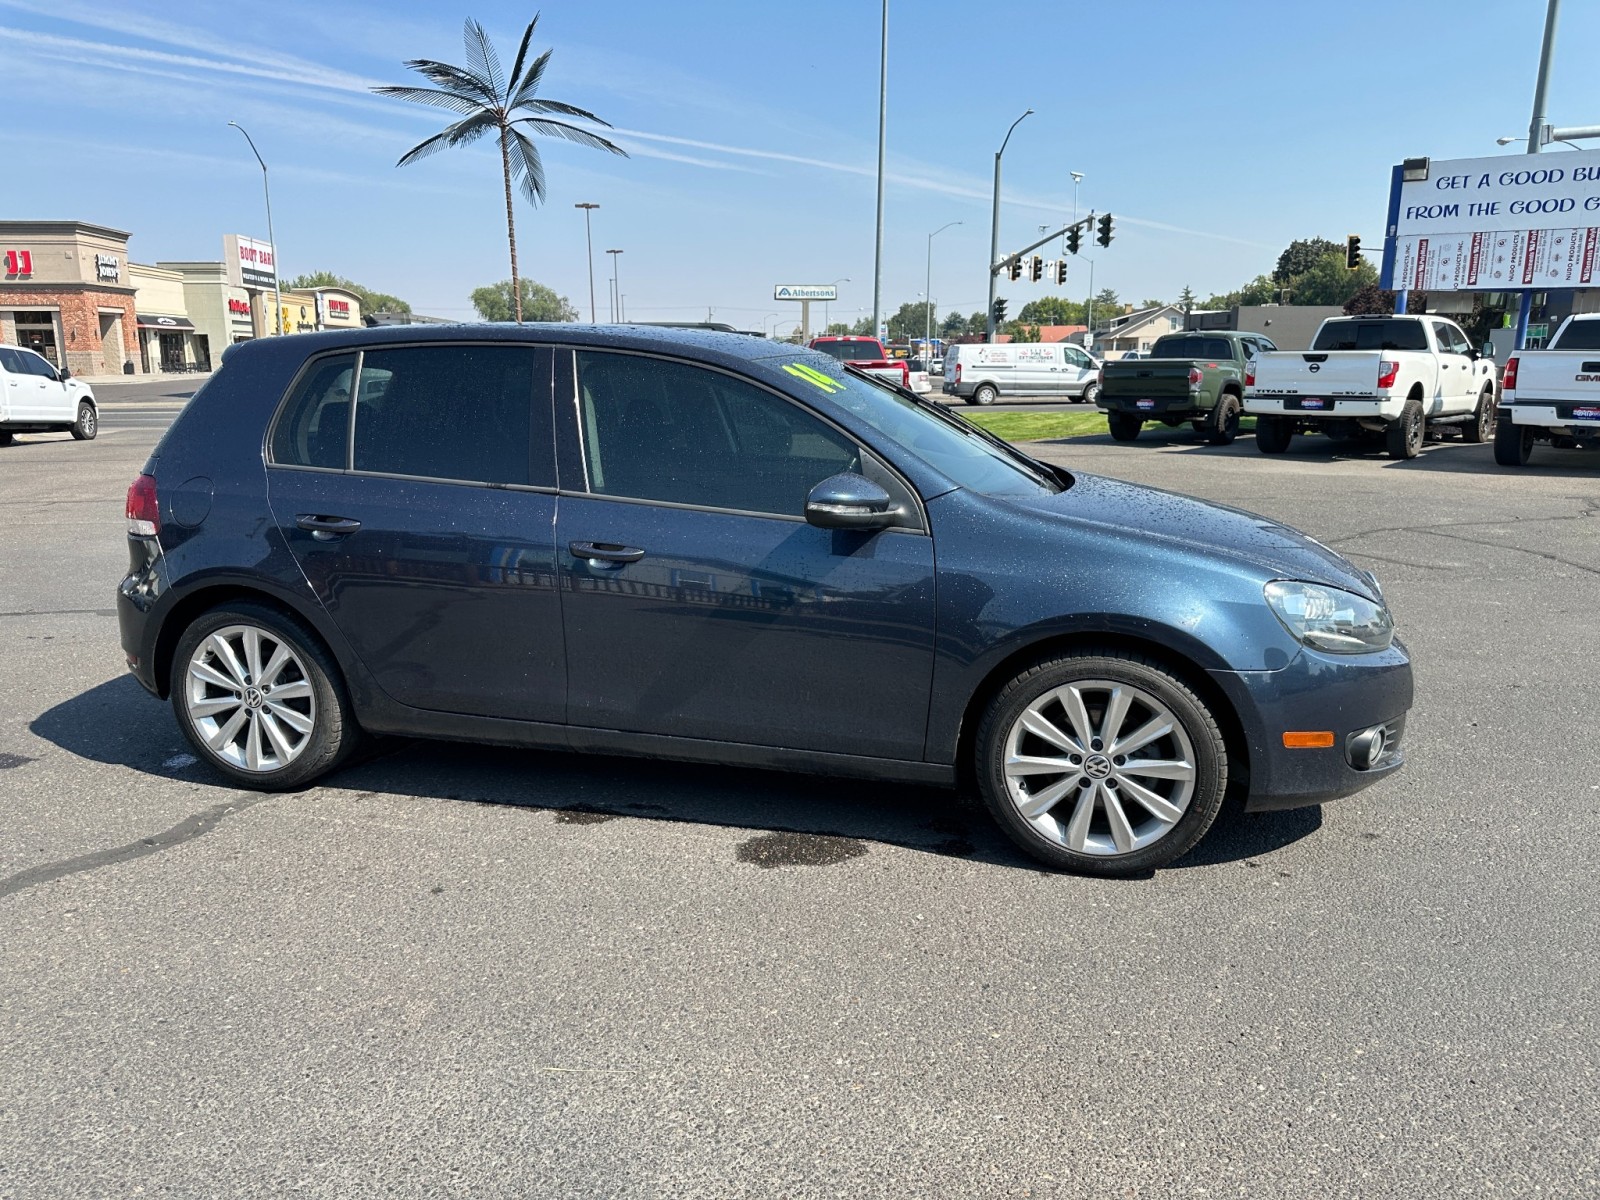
x=37 y=398
x=982 y=372
x=1552 y=395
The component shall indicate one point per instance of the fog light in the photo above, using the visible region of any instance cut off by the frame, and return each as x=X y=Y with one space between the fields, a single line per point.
x=1366 y=748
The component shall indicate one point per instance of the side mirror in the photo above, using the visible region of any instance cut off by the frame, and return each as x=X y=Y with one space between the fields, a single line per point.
x=849 y=501
x=63 y=375
x=1488 y=350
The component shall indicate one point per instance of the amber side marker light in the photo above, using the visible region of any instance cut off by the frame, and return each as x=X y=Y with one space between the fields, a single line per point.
x=1308 y=740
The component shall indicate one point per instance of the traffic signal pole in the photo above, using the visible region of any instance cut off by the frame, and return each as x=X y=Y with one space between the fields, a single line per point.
x=1536 y=129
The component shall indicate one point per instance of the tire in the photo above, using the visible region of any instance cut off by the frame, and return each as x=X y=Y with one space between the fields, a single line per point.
x=1273 y=434
x=1482 y=426
x=1124 y=426
x=7 y=437
x=87 y=424
x=984 y=394
x=1091 y=393
x=1403 y=439
x=1513 y=444
x=1223 y=424
x=1069 y=818
x=259 y=742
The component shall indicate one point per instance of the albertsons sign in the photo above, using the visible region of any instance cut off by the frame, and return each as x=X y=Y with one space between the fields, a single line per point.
x=805 y=291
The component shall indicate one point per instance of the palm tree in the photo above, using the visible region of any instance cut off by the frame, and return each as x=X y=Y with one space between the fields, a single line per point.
x=489 y=101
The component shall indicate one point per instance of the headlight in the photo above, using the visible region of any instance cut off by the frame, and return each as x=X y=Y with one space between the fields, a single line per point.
x=1330 y=619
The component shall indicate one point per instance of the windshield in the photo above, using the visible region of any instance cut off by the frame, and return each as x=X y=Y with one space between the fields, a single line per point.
x=1371 y=335
x=851 y=351
x=1579 y=335
x=1184 y=346
x=948 y=444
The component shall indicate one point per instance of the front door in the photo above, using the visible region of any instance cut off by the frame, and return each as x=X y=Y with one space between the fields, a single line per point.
x=430 y=539
x=18 y=385
x=1076 y=370
x=697 y=600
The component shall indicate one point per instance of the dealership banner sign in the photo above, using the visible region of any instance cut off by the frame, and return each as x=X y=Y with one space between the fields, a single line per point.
x=1496 y=224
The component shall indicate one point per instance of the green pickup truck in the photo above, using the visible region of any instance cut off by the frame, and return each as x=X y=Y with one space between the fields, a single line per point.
x=1199 y=377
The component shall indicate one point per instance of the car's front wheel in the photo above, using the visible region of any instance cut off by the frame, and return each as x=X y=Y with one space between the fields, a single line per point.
x=1091 y=393
x=87 y=424
x=260 y=699
x=1481 y=428
x=1102 y=763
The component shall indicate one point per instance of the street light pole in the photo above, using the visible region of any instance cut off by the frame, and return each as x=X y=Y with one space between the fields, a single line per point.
x=994 y=228
x=1541 y=88
x=927 y=294
x=277 y=278
x=616 y=287
x=588 y=237
x=825 y=305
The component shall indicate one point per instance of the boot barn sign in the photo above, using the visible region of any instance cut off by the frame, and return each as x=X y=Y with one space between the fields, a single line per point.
x=1494 y=224
x=249 y=263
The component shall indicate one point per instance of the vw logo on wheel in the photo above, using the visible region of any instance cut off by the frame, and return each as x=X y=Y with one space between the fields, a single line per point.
x=1097 y=767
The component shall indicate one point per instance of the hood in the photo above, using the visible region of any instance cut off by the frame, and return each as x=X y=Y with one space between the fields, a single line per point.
x=1182 y=521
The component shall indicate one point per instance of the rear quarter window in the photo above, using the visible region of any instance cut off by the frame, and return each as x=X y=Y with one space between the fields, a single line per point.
x=313 y=427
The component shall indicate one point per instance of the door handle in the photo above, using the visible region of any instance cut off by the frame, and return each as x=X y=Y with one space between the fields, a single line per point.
x=607 y=552
x=327 y=528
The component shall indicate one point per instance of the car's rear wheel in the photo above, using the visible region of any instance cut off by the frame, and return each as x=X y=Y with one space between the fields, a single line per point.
x=1102 y=763
x=1273 y=434
x=1513 y=444
x=7 y=437
x=1404 y=437
x=87 y=424
x=1124 y=426
x=1223 y=425
x=1481 y=428
x=984 y=394
x=260 y=699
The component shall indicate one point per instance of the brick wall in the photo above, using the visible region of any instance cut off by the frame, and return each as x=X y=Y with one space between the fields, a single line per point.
x=79 y=332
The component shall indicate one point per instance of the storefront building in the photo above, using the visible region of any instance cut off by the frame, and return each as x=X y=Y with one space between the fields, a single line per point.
x=320 y=308
x=168 y=340
x=221 y=312
x=65 y=291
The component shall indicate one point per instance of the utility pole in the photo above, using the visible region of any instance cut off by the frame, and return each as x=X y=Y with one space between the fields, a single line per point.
x=1536 y=128
x=277 y=277
x=883 y=126
x=927 y=295
x=616 y=286
x=994 y=226
x=589 y=238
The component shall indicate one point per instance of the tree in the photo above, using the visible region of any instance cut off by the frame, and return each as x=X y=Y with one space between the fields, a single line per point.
x=371 y=301
x=1105 y=300
x=1152 y=304
x=489 y=101
x=863 y=328
x=1329 y=281
x=953 y=325
x=978 y=322
x=1186 y=299
x=1024 y=333
x=536 y=302
x=1052 y=310
x=1370 y=300
x=909 y=322
x=837 y=329
x=1300 y=256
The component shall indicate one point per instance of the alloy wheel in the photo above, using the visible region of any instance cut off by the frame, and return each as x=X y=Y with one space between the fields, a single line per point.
x=250 y=699
x=1100 y=767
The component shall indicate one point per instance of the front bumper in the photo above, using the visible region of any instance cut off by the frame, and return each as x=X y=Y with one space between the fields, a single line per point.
x=1344 y=694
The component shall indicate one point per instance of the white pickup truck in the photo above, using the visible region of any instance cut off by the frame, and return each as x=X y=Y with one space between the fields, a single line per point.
x=37 y=398
x=1371 y=377
x=1552 y=395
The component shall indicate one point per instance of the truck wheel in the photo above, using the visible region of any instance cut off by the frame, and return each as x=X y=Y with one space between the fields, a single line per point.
x=985 y=394
x=1481 y=427
x=1091 y=393
x=1512 y=444
x=87 y=424
x=1404 y=437
x=7 y=437
x=1223 y=425
x=1124 y=426
x=1273 y=434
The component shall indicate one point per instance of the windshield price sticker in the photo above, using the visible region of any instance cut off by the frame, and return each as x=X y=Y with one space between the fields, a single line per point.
x=815 y=378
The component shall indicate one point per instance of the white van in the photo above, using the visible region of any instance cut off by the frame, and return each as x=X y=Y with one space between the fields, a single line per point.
x=37 y=398
x=982 y=372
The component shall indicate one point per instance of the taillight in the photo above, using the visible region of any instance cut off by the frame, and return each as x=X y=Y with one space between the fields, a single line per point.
x=1100 y=377
x=144 y=517
x=1249 y=374
x=1509 y=379
x=1388 y=369
x=1195 y=377
x=958 y=372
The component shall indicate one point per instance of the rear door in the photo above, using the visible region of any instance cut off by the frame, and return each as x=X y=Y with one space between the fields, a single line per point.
x=697 y=600
x=1456 y=381
x=424 y=519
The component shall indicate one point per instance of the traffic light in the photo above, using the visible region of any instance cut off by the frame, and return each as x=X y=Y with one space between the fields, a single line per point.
x=1036 y=268
x=1104 y=237
x=1074 y=239
x=1061 y=271
x=1016 y=268
x=1352 y=251
x=999 y=311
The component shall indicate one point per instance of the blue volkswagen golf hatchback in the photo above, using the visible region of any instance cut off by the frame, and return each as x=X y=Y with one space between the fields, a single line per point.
x=705 y=546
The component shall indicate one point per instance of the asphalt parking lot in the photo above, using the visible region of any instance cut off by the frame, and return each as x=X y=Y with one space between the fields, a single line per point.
x=500 y=973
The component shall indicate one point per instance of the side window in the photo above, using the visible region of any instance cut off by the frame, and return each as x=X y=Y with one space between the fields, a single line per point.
x=667 y=431
x=1247 y=348
x=11 y=362
x=1458 y=341
x=1075 y=357
x=313 y=428
x=479 y=414
x=1446 y=338
x=1268 y=346
x=35 y=364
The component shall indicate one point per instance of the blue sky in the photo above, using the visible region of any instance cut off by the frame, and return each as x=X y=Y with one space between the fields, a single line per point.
x=1215 y=133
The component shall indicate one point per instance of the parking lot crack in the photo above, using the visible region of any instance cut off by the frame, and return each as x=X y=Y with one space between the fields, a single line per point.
x=187 y=830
